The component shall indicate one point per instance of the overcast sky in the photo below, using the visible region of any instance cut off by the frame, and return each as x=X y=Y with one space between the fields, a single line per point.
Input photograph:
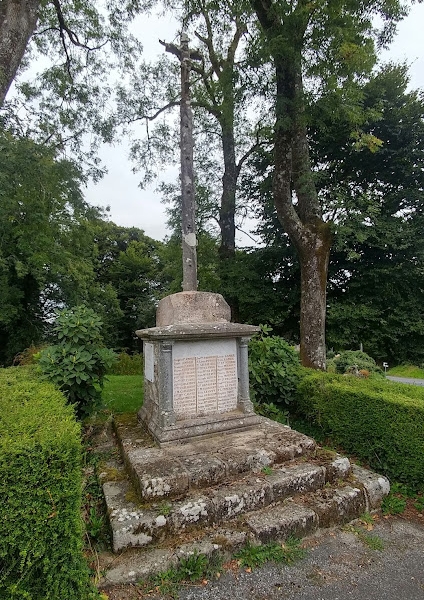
x=131 y=206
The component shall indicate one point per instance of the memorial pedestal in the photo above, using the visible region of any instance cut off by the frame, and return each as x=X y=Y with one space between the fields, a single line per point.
x=196 y=376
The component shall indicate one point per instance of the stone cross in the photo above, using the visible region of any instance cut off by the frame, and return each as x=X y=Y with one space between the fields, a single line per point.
x=188 y=208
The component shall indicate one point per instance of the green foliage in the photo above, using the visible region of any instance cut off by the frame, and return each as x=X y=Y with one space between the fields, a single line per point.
x=352 y=361
x=127 y=364
x=407 y=371
x=123 y=393
x=378 y=200
x=274 y=368
x=77 y=364
x=372 y=541
x=271 y=411
x=46 y=244
x=255 y=556
x=376 y=420
x=40 y=486
x=393 y=504
x=191 y=568
x=396 y=502
x=131 y=265
x=419 y=504
x=67 y=95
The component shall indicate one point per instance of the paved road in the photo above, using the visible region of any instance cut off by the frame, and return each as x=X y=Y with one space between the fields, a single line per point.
x=406 y=380
x=338 y=566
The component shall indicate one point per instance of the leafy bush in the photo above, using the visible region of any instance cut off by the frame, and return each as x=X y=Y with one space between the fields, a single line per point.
x=127 y=364
x=352 y=361
x=40 y=489
x=376 y=420
x=77 y=364
x=275 y=369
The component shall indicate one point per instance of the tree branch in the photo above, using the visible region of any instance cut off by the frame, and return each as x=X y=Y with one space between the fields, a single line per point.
x=157 y=113
x=73 y=38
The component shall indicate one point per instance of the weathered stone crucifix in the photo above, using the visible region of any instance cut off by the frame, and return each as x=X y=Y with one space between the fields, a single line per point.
x=188 y=208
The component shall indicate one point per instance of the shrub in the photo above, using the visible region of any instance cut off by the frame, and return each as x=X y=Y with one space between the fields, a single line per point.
x=26 y=357
x=376 y=420
x=127 y=364
x=275 y=369
x=353 y=361
x=40 y=489
x=77 y=364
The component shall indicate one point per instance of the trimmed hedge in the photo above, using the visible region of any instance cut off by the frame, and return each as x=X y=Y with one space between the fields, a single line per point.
x=40 y=489
x=378 y=421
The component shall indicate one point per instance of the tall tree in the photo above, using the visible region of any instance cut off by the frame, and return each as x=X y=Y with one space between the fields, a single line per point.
x=376 y=289
x=130 y=263
x=228 y=117
x=332 y=42
x=79 y=44
x=46 y=249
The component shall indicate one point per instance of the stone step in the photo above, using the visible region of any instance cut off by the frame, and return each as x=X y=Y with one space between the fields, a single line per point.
x=297 y=516
x=175 y=470
x=151 y=523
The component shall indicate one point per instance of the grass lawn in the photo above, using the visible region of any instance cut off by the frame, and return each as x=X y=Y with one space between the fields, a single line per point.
x=406 y=371
x=123 y=393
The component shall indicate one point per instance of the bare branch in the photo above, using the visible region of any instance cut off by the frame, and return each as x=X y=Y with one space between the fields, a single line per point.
x=157 y=113
x=206 y=78
x=245 y=233
x=212 y=55
x=241 y=29
x=250 y=151
x=73 y=37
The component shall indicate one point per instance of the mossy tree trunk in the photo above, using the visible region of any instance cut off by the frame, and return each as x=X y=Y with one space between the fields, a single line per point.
x=295 y=195
x=18 y=19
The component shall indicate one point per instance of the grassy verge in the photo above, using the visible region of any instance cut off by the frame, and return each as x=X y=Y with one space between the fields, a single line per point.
x=406 y=371
x=123 y=393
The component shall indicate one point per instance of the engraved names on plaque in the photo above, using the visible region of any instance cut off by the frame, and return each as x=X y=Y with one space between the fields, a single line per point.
x=185 y=388
x=226 y=382
x=207 y=398
x=204 y=379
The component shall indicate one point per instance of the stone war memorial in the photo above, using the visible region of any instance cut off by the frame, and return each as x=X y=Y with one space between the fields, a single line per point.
x=196 y=376
x=198 y=471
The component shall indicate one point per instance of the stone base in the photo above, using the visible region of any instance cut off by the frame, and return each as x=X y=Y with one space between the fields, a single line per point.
x=188 y=430
x=267 y=483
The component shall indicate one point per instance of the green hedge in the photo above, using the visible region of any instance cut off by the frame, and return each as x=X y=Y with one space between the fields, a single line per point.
x=127 y=364
x=40 y=489
x=378 y=421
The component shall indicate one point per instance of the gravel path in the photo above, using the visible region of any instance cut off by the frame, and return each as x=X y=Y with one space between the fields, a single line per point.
x=409 y=380
x=338 y=566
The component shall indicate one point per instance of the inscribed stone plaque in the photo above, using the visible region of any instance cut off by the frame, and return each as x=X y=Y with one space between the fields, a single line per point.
x=185 y=388
x=207 y=397
x=204 y=378
x=226 y=383
x=149 y=362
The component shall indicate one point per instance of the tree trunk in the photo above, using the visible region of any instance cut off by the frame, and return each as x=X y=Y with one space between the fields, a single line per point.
x=295 y=196
x=314 y=257
x=18 y=19
x=227 y=209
